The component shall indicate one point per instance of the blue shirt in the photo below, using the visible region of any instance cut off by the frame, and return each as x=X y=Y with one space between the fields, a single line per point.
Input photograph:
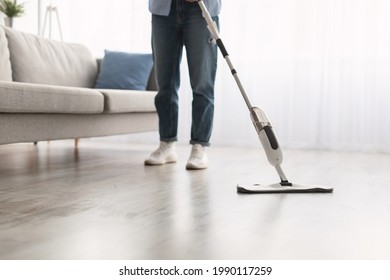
x=163 y=7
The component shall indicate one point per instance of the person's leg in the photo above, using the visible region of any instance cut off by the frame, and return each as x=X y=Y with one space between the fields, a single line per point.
x=202 y=64
x=167 y=44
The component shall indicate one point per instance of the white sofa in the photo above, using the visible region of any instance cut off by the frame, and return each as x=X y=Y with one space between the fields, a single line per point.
x=47 y=93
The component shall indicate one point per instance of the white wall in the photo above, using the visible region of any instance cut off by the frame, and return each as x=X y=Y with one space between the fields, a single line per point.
x=319 y=68
x=99 y=24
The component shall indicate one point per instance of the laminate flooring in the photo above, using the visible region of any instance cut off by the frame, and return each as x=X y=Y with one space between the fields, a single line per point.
x=100 y=202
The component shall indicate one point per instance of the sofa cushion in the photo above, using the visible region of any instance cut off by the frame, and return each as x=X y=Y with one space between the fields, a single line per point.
x=128 y=101
x=5 y=64
x=33 y=98
x=44 y=61
x=121 y=70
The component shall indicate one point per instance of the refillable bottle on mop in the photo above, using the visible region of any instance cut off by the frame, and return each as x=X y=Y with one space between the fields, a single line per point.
x=264 y=130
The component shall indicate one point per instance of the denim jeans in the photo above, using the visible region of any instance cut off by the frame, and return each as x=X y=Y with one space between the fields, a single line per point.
x=184 y=27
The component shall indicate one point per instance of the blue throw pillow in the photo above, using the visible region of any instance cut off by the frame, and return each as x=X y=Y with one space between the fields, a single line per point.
x=121 y=70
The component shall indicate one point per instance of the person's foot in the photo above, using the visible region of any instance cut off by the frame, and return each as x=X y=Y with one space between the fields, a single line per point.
x=198 y=158
x=164 y=154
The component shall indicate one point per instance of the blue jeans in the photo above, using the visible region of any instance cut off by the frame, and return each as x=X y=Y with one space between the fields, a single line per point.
x=184 y=27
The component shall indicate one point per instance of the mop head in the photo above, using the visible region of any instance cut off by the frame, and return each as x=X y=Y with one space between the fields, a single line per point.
x=278 y=188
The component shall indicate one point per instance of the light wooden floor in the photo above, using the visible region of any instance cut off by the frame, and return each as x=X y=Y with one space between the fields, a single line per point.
x=100 y=202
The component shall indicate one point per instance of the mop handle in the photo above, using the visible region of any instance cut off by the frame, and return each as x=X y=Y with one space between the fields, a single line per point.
x=212 y=27
x=259 y=118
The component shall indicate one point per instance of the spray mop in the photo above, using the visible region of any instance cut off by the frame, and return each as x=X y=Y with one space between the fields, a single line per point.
x=264 y=130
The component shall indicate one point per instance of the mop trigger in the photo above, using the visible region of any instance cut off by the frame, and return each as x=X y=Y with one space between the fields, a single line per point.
x=212 y=41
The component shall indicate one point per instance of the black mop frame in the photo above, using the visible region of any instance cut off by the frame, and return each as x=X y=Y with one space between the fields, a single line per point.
x=262 y=126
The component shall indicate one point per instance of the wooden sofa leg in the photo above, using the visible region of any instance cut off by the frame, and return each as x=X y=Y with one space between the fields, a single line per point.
x=76 y=142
